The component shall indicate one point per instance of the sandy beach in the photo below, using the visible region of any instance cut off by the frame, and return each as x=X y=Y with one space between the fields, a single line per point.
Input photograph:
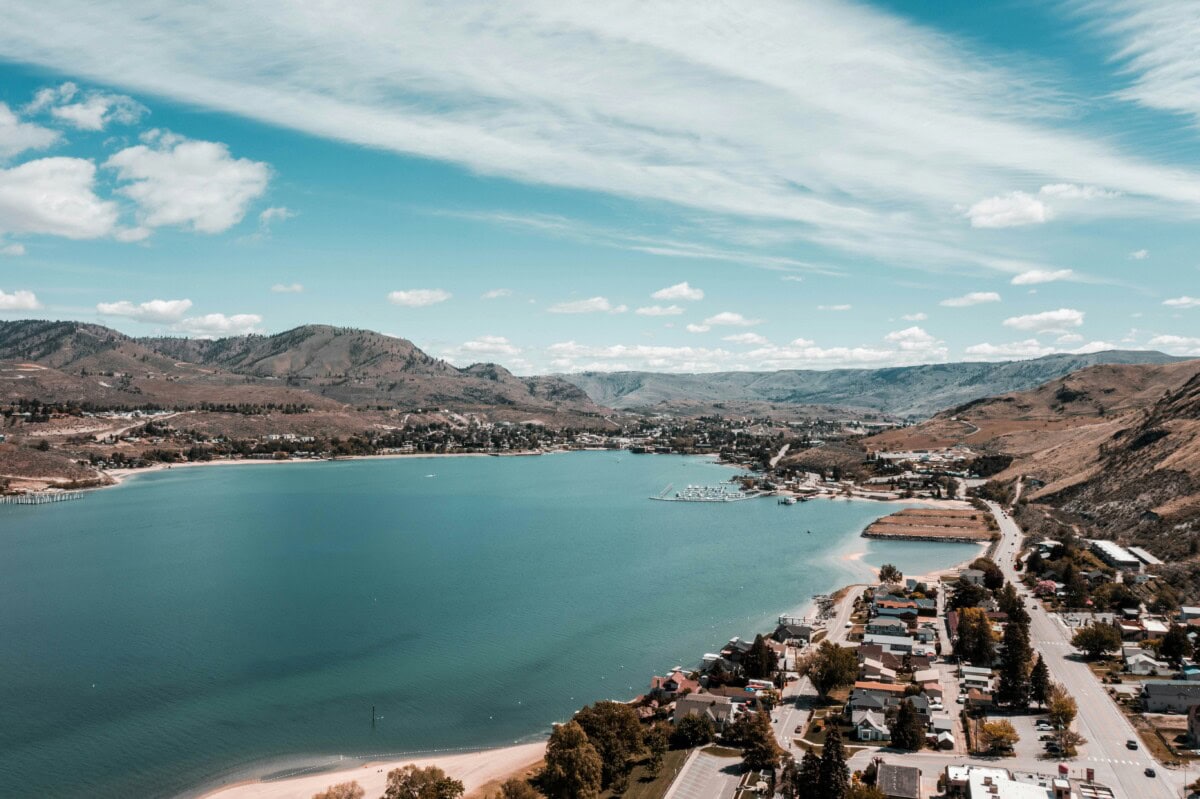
x=475 y=769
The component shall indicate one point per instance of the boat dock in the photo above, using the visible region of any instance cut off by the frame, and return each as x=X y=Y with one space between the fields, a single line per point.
x=706 y=494
x=40 y=498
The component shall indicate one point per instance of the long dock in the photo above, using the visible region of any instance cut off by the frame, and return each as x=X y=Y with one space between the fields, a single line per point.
x=40 y=498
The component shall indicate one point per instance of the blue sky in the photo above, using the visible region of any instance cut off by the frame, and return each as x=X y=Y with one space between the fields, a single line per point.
x=680 y=186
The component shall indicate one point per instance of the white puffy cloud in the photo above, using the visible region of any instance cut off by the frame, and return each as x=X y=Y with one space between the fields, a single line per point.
x=679 y=291
x=95 y=111
x=1183 y=302
x=1008 y=210
x=1068 y=338
x=11 y=248
x=919 y=316
x=1018 y=208
x=216 y=325
x=694 y=328
x=916 y=340
x=1056 y=321
x=746 y=338
x=730 y=319
x=1139 y=255
x=495 y=294
x=16 y=136
x=418 y=298
x=19 y=300
x=973 y=298
x=659 y=310
x=277 y=213
x=1036 y=276
x=54 y=196
x=1176 y=345
x=1029 y=348
x=287 y=288
x=196 y=185
x=151 y=311
x=841 y=307
x=590 y=305
x=489 y=345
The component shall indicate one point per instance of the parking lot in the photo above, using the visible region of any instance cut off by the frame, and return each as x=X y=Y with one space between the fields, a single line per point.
x=1029 y=746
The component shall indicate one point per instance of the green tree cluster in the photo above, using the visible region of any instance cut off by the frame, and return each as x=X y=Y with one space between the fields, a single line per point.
x=830 y=666
x=906 y=728
x=1097 y=639
x=412 y=782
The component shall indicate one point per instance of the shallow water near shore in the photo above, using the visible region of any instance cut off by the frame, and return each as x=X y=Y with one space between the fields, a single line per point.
x=196 y=623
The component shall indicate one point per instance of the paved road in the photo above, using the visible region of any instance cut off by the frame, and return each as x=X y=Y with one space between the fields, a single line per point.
x=1099 y=720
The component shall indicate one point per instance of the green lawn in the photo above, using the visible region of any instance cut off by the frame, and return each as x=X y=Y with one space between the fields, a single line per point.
x=643 y=786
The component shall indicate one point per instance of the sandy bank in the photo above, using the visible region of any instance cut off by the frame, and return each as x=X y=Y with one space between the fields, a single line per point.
x=475 y=769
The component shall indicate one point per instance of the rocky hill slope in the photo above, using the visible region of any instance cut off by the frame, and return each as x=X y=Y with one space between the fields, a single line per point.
x=910 y=391
x=315 y=365
x=1116 y=448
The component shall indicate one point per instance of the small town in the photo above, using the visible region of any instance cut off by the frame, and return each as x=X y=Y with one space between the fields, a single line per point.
x=1044 y=668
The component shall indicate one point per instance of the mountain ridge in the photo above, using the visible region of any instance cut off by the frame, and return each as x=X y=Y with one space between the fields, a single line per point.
x=905 y=391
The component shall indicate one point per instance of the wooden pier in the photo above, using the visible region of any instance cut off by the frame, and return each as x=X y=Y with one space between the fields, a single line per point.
x=40 y=498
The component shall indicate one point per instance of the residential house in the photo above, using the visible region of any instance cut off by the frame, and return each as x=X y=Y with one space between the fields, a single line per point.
x=1144 y=664
x=793 y=633
x=896 y=644
x=718 y=708
x=675 y=683
x=972 y=576
x=898 y=782
x=886 y=625
x=1170 y=696
x=875 y=671
x=878 y=653
x=1189 y=612
x=869 y=725
x=979 y=700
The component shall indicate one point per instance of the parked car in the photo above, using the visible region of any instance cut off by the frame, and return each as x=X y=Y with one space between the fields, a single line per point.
x=1131 y=744
x=1151 y=772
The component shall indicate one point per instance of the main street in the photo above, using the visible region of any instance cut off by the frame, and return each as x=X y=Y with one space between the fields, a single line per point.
x=1099 y=721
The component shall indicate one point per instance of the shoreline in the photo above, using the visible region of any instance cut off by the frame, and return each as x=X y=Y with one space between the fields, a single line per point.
x=475 y=770
x=483 y=766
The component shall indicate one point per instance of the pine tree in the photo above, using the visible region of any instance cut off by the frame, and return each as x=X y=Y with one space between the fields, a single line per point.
x=834 y=779
x=1014 y=687
x=907 y=730
x=1039 y=682
x=760 y=661
x=808 y=775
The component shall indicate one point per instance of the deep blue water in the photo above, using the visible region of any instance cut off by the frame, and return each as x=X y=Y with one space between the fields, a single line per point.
x=201 y=624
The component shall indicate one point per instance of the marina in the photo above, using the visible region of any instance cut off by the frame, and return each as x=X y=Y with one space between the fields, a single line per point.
x=699 y=493
x=41 y=498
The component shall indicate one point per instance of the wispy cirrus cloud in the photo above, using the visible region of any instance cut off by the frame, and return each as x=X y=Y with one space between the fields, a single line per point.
x=589 y=305
x=972 y=298
x=846 y=112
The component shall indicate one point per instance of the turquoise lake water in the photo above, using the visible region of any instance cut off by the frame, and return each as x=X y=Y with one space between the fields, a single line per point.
x=200 y=625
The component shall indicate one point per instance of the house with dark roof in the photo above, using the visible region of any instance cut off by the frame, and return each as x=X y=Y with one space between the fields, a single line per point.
x=718 y=708
x=793 y=633
x=1170 y=696
x=898 y=782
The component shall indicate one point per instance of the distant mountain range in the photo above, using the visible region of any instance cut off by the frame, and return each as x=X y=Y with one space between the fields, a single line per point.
x=336 y=367
x=905 y=391
x=315 y=365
